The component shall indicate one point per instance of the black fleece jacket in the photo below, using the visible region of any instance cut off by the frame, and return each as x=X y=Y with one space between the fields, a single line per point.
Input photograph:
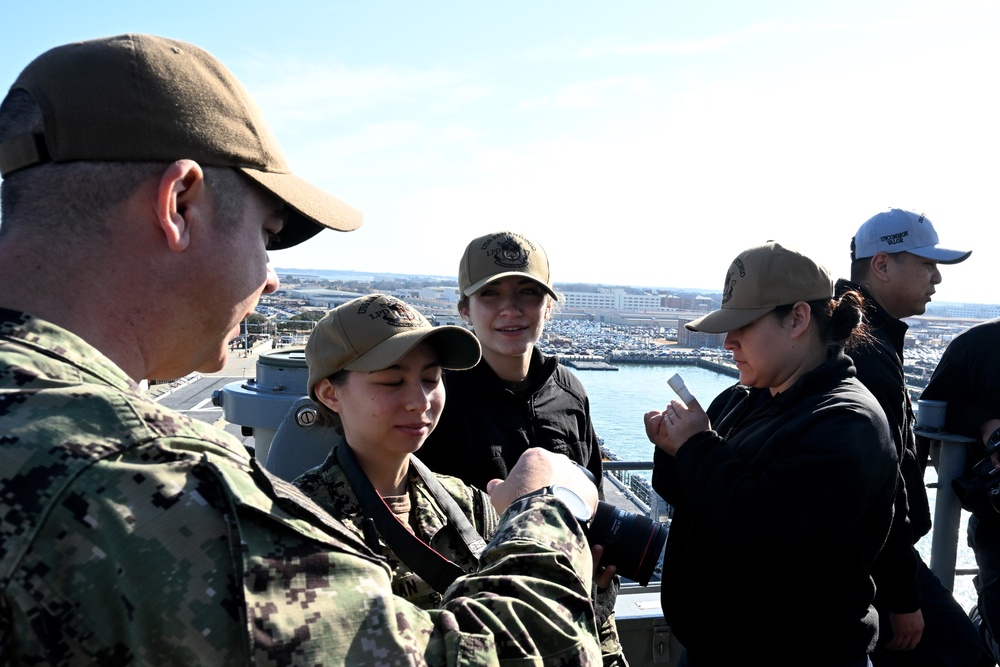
x=486 y=425
x=779 y=511
x=968 y=378
x=879 y=366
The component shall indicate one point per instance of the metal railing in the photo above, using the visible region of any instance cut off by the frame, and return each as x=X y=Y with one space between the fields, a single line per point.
x=948 y=452
x=948 y=455
x=648 y=640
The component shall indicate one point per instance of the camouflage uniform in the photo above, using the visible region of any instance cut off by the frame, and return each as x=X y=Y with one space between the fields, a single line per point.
x=132 y=534
x=328 y=486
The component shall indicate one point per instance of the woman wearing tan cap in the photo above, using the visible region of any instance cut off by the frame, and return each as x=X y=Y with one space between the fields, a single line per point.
x=515 y=398
x=783 y=489
x=375 y=367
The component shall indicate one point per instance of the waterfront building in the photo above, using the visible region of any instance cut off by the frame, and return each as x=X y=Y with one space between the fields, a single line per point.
x=975 y=311
x=697 y=303
x=588 y=300
x=696 y=339
x=446 y=293
x=318 y=297
x=619 y=298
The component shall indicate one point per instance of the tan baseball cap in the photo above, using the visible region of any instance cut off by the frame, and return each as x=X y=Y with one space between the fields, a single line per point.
x=374 y=332
x=759 y=280
x=142 y=98
x=499 y=255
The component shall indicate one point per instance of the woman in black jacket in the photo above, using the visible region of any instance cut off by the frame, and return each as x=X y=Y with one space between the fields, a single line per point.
x=515 y=398
x=782 y=491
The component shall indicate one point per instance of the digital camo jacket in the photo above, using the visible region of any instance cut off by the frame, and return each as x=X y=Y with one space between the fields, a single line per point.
x=328 y=486
x=130 y=534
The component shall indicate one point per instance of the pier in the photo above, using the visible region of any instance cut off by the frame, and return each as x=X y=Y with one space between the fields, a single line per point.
x=596 y=363
x=588 y=365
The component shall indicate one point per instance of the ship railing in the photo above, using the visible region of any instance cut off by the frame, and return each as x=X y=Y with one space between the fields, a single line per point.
x=948 y=456
x=645 y=636
x=647 y=639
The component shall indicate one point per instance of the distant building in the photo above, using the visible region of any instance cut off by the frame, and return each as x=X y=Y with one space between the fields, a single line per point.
x=318 y=297
x=640 y=301
x=445 y=293
x=977 y=311
x=696 y=303
x=696 y=339
x=618 y=298
x=588 y=300
x=704 y=303
x=615 y=298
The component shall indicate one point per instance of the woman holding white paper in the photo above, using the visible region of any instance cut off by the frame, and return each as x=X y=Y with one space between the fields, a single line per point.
x=782 y=490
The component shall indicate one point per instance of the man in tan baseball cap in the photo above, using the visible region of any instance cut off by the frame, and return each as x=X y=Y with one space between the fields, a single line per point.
x=140 y=98
x=141 y=194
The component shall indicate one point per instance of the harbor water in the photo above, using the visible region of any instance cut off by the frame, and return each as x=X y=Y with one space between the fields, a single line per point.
x=619 y=399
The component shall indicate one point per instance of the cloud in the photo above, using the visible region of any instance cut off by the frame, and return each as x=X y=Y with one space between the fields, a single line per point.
x=297 y=90
x=590 y=94
x=619 y=47
x=660 y=175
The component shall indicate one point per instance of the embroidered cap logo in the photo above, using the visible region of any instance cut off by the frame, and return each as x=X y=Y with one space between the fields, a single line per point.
x=510 y=254
x=396 y=313
x=727 y=289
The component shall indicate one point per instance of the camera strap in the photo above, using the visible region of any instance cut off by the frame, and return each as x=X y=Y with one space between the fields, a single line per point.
x=419 y=556
x=474 y=542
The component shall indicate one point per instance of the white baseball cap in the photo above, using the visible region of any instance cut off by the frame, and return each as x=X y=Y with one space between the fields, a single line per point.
x=897 y=230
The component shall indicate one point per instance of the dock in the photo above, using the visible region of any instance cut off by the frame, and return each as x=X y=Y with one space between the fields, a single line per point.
x=589 y=365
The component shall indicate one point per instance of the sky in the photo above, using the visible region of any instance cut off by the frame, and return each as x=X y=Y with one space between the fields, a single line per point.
x=642 y=143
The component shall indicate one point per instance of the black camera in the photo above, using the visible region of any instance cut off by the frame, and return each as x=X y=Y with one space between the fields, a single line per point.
x=979 y=491
x=631 y=541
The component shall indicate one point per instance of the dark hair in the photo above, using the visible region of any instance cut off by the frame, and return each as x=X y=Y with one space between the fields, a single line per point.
x=861 y=267
x=73 y=196
x=840 y=320
x=229 y=189
x=324 y=415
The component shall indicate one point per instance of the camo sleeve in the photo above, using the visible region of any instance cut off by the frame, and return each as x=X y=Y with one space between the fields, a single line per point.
x=530 y=598
x=131 y=534
x=161 y=557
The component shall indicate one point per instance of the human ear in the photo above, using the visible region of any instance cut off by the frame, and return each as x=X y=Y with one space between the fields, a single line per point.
x=880 y=266
x=801 y=317
x=181 y=201
x=326 y=392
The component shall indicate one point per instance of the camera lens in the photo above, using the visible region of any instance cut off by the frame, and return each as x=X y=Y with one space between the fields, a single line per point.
x=632 y=542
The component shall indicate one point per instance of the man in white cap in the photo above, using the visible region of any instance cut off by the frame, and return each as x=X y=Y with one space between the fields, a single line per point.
x=895 y=256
